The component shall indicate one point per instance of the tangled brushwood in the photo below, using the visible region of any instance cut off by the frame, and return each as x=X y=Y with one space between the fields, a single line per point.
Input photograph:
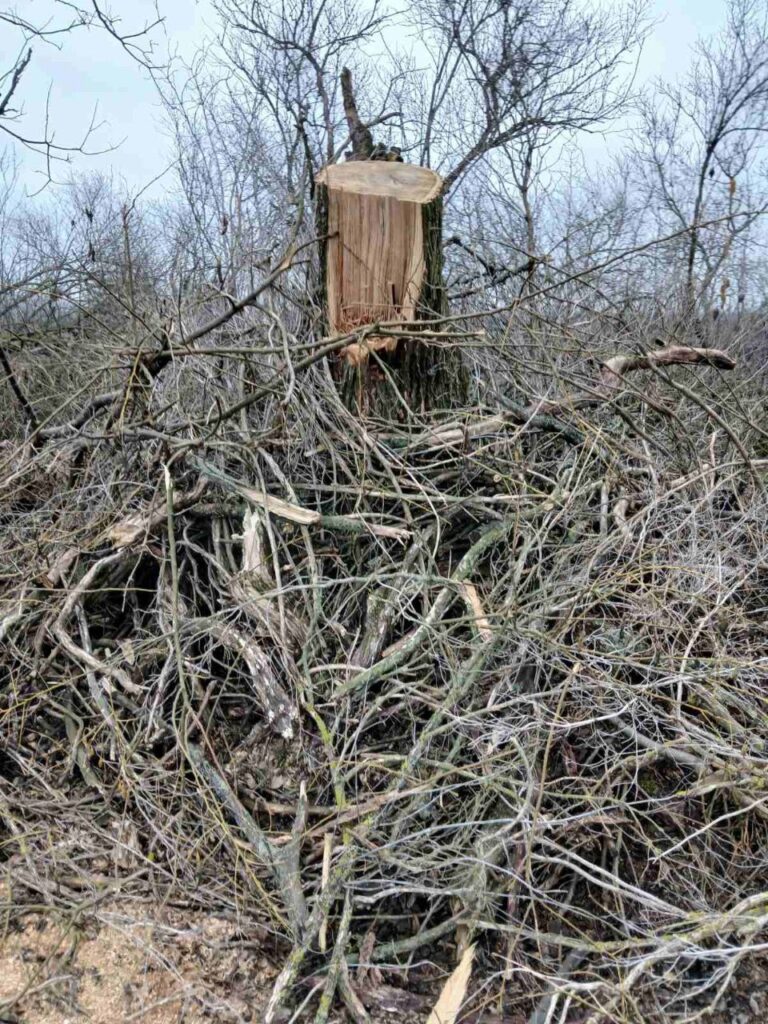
x=388 y=689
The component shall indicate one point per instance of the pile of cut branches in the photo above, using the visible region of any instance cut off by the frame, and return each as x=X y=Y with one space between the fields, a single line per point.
x=391 y=689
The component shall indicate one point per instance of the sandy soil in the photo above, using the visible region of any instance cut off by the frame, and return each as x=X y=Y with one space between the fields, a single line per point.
x=169 y=968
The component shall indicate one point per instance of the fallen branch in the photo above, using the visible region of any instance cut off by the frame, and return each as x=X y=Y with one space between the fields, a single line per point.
x=300 y=515
x=677 y=355
x=280 y=710
x=542 y=414
x=139 y=525
x=74 y=598
x=281 y=860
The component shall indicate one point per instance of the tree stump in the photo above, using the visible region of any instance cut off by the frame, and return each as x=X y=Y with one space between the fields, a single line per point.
x=381 y=261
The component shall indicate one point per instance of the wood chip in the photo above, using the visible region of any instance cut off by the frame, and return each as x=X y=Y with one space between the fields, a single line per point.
x=446 y=1009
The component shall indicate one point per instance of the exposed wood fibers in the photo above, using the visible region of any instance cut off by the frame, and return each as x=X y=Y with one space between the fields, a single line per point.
x=375 y=256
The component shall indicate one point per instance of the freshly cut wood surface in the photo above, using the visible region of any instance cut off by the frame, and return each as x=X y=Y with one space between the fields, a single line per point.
x=406 y=182
x=446 y=1009
x=375 y=259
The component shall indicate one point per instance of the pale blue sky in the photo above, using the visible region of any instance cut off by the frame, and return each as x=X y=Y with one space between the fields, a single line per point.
x=91 y=71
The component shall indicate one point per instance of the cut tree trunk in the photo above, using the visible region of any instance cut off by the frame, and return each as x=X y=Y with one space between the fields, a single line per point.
x=381 y=261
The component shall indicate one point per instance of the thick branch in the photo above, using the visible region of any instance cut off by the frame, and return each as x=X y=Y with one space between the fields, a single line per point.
x=18 y=71
x=615 y=368
x=541 y=414
x=360 y=134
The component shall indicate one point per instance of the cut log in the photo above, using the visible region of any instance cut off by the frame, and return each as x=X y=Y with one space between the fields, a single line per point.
x=381 y=262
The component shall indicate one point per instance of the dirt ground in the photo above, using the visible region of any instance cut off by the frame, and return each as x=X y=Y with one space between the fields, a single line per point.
x=129 y=963
x=167 y=968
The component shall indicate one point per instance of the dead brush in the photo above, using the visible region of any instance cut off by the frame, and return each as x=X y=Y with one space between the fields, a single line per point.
x=508 y=691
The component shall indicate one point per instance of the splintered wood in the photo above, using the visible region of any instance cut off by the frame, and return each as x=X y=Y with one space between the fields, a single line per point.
x=375 y=257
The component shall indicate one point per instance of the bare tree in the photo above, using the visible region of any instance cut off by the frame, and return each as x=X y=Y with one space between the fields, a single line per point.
x=702 y=146
x=503 y=72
